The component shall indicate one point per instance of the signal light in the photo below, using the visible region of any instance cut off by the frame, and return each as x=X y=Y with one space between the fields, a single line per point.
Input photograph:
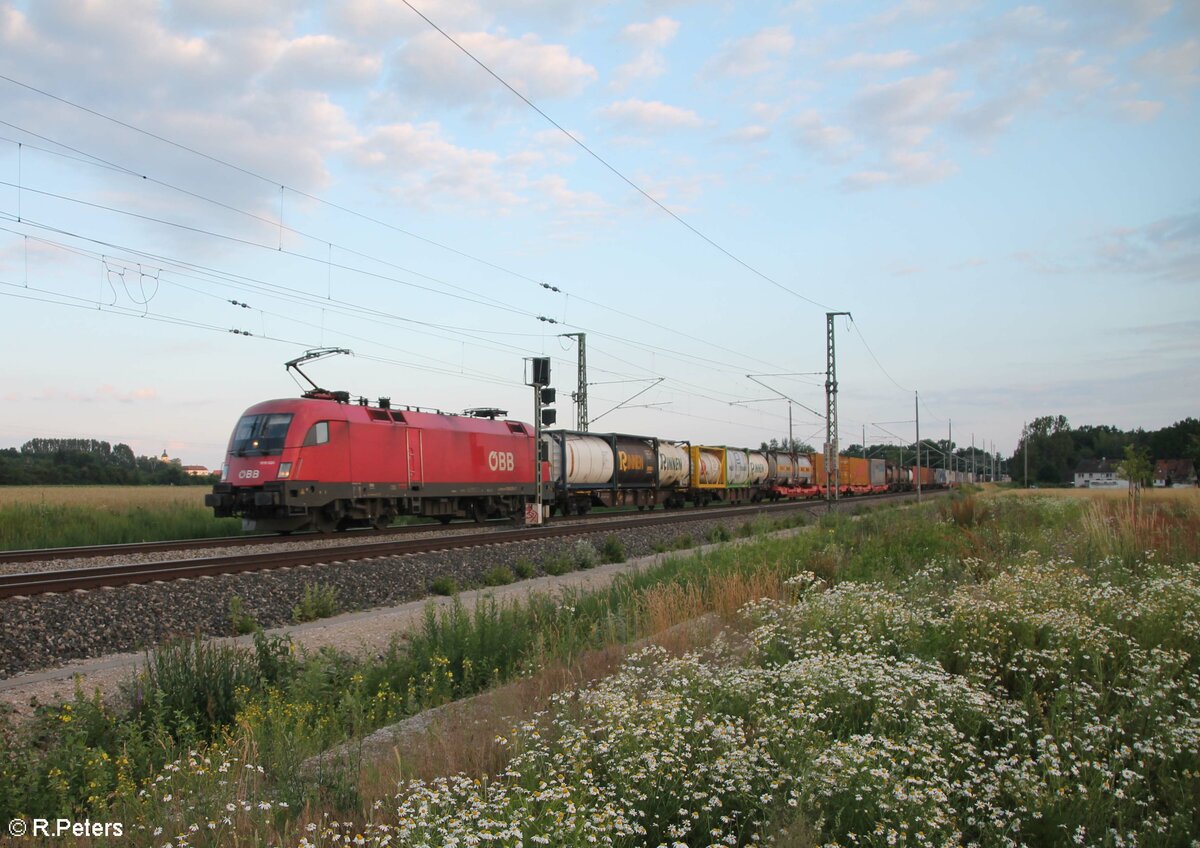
x=549 y=416
x=548 y=395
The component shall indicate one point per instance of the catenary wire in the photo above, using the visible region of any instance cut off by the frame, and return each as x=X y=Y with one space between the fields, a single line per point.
x=320 y=200
x=609 y=166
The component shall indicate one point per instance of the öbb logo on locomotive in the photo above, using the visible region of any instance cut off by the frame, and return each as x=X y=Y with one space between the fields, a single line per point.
x=500 y=461
x=324 y=462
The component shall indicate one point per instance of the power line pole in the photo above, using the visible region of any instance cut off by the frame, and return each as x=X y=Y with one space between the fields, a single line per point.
x=832 y=483
x=580 y=395
x=1025 y=451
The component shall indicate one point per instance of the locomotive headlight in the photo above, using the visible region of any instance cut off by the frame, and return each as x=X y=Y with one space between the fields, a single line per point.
x=285 y=470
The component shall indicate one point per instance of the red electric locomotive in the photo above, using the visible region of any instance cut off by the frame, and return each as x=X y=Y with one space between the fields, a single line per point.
x=321 y=462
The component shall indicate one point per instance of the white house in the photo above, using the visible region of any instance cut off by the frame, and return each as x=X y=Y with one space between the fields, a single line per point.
x=1098 y=474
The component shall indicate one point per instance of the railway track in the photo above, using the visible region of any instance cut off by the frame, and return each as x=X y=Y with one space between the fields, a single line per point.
x=387 y=544
x=135 y=548
x=218 y=542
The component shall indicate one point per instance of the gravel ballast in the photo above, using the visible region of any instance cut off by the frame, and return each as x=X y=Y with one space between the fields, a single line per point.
x=47 y=630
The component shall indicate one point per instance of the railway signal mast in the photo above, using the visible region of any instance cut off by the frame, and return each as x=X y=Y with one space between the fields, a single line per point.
x=543 y=395
x=832 y=484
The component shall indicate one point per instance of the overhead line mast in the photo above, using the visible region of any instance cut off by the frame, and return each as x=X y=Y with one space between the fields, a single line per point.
x=832 y=483
x=580 y=396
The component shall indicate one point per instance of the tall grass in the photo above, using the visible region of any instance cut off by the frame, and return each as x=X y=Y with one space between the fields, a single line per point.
x=1018 y=606
x=54 y=525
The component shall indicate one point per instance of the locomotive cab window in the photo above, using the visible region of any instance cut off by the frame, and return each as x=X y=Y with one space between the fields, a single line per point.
x=318 y=434
x=260 y=435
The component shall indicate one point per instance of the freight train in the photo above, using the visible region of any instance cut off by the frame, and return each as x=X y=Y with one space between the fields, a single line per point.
x=324 y=463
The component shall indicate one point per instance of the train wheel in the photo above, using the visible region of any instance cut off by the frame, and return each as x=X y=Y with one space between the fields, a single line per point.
x=382 y=521
x=444 y=519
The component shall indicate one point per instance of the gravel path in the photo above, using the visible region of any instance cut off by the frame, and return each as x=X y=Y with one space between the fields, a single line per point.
x=367 y=631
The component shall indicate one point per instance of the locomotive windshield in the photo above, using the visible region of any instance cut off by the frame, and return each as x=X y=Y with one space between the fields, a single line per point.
x=260 y=435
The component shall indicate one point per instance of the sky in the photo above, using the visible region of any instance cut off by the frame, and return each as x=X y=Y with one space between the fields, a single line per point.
x=1005 y=197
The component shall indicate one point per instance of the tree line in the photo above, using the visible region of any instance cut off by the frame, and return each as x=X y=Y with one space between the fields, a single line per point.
x=1054 y=448
x=82 y=461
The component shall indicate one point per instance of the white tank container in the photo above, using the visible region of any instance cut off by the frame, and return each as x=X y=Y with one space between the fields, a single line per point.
x=737 y=467
x=674 y=465
x=589 y=460
x=758 y=467
x=710 y=468
x=785 y=469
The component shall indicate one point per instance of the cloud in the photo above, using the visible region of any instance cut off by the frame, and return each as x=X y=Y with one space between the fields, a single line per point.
x=322 y=61
x=678 y=191
x=1140 y=111
x=751 y=134
x=1169 y=332
x=651 y=116
x=214 y=14
x=1115 y=22
x=902 y=167
x=212 y=92
x=429 y=68
x=877 y=61
x=648 y=39
x=752 y=55
x=420 y=164
x=109 y=392
x=1167 y=249
x=834 y=142
x=906 y=112
x=910 y=10
x=383 y=21
x=565 y=201
x=1178 y=66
